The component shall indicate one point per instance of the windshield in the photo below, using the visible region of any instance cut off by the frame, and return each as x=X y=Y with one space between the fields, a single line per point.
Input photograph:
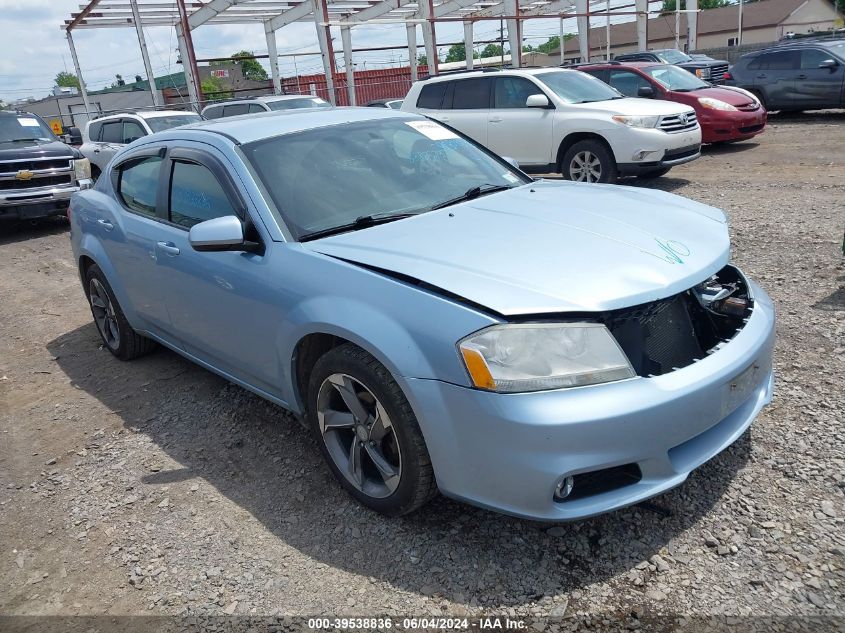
x=577 y=87
x=328 y=177
x=298 y=104
x=24 y=128
x=160 y=123
x=674 y=78
x=673 y=57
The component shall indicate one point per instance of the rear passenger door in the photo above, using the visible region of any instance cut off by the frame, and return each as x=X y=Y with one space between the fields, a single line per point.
x=774 y=77
x=515 y=130
x=817 y=87
x=466 y=106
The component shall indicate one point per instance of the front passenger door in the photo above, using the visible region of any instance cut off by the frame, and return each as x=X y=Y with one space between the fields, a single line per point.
x=218 y=301
x=817 y=87
x=515 y=130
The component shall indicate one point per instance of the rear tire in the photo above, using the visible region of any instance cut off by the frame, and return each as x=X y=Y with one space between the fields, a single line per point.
x=118 y=336
x=654 y=173
x=589 y=161
x=367 y=432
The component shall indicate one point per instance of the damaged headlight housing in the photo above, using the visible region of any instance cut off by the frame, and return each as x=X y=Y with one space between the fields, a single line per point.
x=538 y=356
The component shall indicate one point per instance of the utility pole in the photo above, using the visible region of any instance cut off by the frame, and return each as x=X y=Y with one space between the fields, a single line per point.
x=739 y=29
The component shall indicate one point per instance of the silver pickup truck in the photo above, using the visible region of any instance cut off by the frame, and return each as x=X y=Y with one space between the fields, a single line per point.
x=38 y=172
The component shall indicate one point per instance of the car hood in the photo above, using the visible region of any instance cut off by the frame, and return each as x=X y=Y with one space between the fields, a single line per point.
x=549 y=247
x=728 y=95
x=635 y=106
x=50 y=149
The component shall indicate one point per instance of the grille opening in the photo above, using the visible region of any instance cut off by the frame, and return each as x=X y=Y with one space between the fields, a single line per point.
x=598 y=481
x=673 y=333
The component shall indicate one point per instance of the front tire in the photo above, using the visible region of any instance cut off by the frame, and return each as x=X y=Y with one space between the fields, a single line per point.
x=367 y=432
x=118 y=336
x=589 y=161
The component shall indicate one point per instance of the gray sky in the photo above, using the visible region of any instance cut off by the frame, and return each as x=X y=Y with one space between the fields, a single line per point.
x=33 y=47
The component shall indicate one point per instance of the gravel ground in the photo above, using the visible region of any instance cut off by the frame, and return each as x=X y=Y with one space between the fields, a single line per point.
x=155 y=487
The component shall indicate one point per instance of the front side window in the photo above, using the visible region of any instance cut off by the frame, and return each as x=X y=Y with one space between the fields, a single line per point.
x=112 y=132
x=513 y=92
x=471 y=94
x=23 y=128
x=572 y=86
x=674 y=78
x=328 y=177
x=132 y=131
x=196 y=195
x=138 y=185
x=811 y=58
x=299 y=104
x=254 y=108
x=161 y=123
x=629 y=83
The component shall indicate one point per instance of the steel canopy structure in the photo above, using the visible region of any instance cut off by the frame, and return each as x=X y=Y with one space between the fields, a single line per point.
x=187 y=15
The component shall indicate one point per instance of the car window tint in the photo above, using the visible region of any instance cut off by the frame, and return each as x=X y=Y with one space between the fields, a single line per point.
x=628 y=83
x=138 y=185
x=132 y=131
x=254 y=107
x=472 y=94
x=94 y=131
x=781 y=60
x=213 y=113
x=811 y=58
x=512 y=92
x=196 y=195
x=431 y=95
x=112 y=132
x=235 y=109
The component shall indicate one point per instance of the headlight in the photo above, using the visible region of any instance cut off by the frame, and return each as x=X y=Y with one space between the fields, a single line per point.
x=702 y=73
x=537 y=356
x=82 y=168
x=715 y=104
x=636 y=121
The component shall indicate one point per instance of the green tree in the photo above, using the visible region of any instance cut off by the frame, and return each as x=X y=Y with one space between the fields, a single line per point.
x=422 y=60
x=491 y=50
x=214 y=88
x=250 y=67
x=457 y=53
x=669 y=5
x=67 y=80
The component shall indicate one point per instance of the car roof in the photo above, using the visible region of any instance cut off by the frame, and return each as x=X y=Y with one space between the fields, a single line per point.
x=260 y=99
x=248 y=128
x=614 y=64
x=144 y=114
x=488 y=73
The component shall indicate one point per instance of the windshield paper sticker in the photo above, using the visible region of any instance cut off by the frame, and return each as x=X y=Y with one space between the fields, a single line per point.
x=28 y=122
x=432 y=130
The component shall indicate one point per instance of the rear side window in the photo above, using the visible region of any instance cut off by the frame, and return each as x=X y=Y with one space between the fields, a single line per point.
x=431 y=95
x=94 y=131
x=112 y=132
x=472 y=94
x=196 y=195
x=213 y=113
x=781 y=60
x=235 y=109
x=138 y=185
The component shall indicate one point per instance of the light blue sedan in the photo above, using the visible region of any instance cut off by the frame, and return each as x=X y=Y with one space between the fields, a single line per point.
x=440 y=320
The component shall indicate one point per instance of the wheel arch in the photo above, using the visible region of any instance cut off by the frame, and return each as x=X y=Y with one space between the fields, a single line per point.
x=576 y=137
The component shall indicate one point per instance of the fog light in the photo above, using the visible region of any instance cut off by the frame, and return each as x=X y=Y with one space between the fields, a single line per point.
x=643 y=153
x=564 y=488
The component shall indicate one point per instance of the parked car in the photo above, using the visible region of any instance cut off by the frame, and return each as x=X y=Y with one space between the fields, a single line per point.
x=724 y=114
x=546 y=349
x=38 y=172
x=105 y=136
x=553 y=120
x=800 y=75
x=396 y=104
x=256 y=105
x=702 y=66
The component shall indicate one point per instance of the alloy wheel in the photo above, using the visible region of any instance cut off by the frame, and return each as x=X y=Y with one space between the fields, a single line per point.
x=359 y=435
x=585 y=167
x=104 y=316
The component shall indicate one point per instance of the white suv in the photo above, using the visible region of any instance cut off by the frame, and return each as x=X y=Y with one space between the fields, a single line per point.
x=556 y=120
x=105 y=136
x=255 y=105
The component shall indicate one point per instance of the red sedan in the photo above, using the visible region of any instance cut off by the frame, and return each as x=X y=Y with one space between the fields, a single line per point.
x=725 y=113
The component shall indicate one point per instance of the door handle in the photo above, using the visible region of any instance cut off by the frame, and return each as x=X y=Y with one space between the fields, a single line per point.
x=169 y=248
x=96 y=151
x=801 y=77
x=108 y=226
x=761 y=76
x=495 y=119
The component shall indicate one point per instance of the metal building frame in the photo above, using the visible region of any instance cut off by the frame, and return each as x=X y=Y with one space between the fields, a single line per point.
x=187 y=15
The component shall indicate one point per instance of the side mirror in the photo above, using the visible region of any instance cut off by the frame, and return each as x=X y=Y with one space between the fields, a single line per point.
x=646 y=92
x=511 y=161
x=537 y=101
x=829 y=63
x=74 y=136
x=218 y=234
